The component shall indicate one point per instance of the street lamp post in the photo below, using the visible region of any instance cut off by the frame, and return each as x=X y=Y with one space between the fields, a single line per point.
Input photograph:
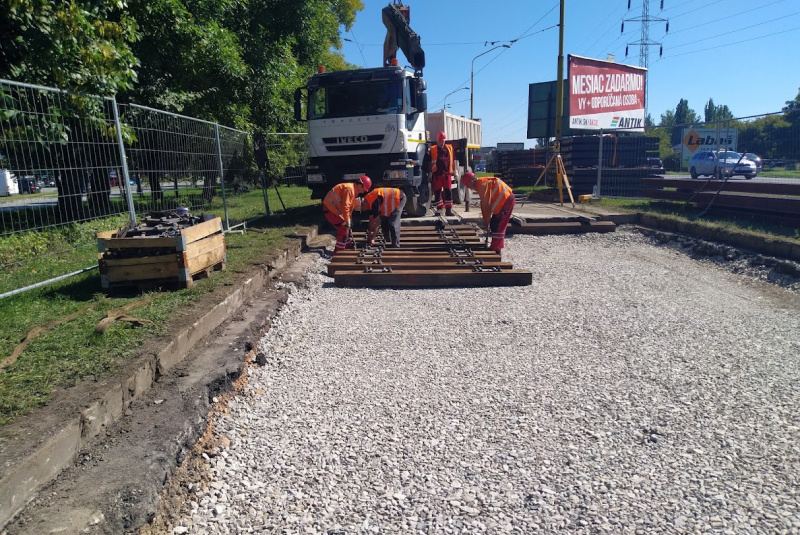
x=472 y=76
x=444 y=105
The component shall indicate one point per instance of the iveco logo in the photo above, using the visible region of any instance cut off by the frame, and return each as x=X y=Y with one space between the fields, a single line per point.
x=352 y=139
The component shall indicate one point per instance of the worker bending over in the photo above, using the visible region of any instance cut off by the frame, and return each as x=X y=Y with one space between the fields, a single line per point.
x=442 y=166
x=384 y=206
x=497 y=203
x=338 y=206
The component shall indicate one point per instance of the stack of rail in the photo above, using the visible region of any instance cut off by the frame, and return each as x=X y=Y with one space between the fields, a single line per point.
x=624 y=163
x=521 y=167
x=429 y=256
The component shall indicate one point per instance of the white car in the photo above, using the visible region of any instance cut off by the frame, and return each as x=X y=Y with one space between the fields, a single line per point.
x=714 y=164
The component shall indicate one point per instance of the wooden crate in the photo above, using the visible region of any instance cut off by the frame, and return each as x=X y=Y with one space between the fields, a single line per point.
x=161 y=261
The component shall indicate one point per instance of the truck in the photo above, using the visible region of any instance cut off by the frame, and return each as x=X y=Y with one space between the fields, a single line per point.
x=8 y=183
x=373 y=121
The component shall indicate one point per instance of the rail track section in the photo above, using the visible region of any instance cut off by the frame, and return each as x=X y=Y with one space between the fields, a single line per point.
x=430 y=256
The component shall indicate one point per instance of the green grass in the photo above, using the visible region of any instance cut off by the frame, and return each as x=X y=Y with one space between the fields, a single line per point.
x=72 y=352
x=780 y=173
x=683 y=211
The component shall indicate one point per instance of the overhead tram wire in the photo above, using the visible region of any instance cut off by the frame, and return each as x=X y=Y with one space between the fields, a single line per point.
x=512 y=41
x=358 y=45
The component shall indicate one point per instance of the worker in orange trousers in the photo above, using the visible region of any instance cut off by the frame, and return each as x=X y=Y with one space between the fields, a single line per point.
x=338 y=206
x=497 y=203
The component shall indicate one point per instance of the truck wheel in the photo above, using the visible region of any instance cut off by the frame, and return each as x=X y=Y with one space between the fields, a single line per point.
x=412 y=205
x=458 y=193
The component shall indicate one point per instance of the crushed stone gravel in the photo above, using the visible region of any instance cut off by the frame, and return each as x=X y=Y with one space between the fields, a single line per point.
x=631 y=389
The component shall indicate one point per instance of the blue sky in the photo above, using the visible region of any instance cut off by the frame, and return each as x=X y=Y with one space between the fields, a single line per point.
x=741 y=53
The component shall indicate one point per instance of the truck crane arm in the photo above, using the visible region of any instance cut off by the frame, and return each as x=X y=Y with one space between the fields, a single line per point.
x=399 y=34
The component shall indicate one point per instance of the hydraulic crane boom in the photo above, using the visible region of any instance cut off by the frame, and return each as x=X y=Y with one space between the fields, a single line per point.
x=399 y=34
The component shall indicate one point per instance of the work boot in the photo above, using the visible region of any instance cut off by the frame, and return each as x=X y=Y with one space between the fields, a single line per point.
x=448 y=212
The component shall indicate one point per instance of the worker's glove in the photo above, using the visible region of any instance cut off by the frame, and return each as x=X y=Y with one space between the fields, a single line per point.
x=347 y=225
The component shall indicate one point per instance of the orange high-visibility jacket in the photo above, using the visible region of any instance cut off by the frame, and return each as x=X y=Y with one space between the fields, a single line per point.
x=390 y=196
x=435 y=155
x=340 y=200
x=493 y=193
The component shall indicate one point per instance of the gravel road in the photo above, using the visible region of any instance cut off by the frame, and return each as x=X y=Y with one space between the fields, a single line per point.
x=630 y=389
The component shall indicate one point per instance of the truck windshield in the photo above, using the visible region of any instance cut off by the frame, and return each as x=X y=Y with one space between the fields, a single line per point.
x=352 y=100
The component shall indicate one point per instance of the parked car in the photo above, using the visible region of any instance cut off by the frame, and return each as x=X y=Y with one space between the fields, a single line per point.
x=29 y=184
x=656 y=166
x=714 y=164
x=480 y=167
x=756 y=159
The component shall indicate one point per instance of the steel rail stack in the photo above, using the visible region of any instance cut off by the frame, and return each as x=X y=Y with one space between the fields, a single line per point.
x=430 y=256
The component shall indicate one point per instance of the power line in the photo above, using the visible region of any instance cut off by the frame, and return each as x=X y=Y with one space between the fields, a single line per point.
x=759 y=8
x=729 y=45
x=644 y=41
x=737 y=30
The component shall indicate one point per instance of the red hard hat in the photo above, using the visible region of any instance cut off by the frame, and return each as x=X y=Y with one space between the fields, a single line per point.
x=466 y=178
x=440 y=137
x=366 y=182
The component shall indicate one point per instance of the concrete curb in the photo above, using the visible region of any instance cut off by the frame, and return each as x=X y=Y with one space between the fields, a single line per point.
x=23 y=478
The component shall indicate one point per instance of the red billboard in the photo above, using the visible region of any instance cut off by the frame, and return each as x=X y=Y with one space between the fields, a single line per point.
x=604 y=95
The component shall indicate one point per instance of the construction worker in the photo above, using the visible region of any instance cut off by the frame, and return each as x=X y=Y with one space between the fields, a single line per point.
x=497 y=203
x=442 y=167
x=338 y=205
x=384 y=206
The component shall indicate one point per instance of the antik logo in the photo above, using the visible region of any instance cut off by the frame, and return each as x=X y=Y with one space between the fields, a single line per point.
x=626 y=122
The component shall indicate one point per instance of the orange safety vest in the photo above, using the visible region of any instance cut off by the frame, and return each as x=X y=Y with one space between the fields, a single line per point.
x=390 y=196
x=341 y=199
x=493 y=193
x=435 y=155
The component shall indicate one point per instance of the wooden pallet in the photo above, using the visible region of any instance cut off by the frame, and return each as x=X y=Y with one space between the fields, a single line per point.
x=147 y=263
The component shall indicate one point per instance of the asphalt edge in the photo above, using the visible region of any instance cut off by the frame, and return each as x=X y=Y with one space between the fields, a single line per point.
x=21 y=483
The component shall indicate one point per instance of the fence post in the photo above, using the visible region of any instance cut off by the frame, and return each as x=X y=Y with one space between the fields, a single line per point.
x=221 y=176
x=124 y=160
x=599 y=163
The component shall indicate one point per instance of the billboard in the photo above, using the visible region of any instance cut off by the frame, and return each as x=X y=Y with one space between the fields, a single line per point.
x=511 y=146
x=542 y=110
x=604 y=95
x=694 y=139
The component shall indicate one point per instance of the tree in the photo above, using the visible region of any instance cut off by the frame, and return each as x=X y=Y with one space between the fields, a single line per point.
x=667 y=118
x=78 y=45
x=684 y=114
x=717 y=113
x=792 y=110
x=710 y=110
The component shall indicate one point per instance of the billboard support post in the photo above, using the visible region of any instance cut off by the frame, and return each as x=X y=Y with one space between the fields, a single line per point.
x=599 y=164
x=560 y=78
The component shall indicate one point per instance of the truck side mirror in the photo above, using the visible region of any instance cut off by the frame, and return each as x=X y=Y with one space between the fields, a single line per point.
x=298 y=104
x=422 y=102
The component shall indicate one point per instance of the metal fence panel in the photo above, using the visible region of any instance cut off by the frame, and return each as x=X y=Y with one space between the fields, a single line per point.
x=58 y=158
x=63 y=169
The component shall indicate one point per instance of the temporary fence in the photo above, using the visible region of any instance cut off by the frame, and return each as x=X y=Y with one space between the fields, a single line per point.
x=72 y=164
x=619 y=164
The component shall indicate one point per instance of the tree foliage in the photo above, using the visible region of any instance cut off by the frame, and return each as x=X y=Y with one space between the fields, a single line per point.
x=232 y=61
x=82 y=46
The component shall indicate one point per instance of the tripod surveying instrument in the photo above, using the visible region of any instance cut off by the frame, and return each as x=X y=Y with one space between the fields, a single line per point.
x=561 y=174
x=555 y=159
